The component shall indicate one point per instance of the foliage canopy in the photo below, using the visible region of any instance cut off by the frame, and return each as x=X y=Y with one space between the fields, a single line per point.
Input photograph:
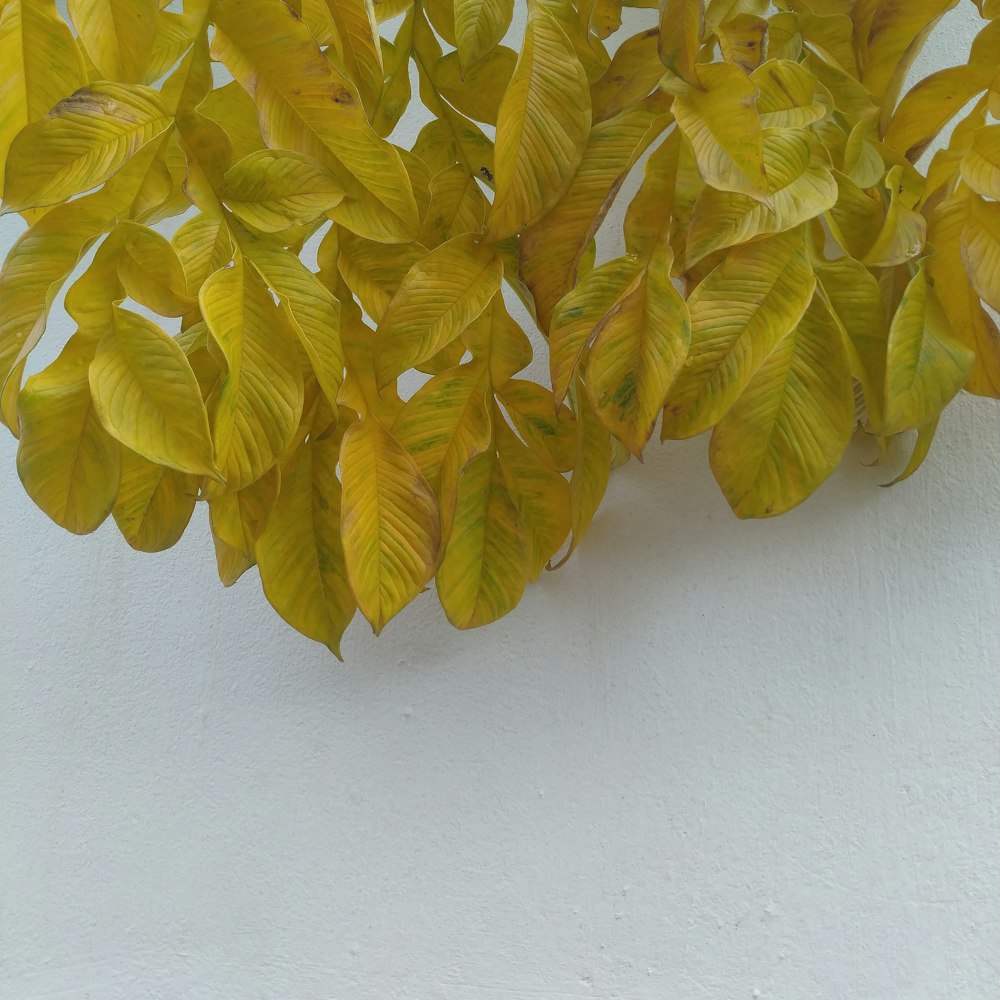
x=788 y=271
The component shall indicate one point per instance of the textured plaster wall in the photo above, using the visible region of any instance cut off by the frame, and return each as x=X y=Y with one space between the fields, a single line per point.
x=709 y=760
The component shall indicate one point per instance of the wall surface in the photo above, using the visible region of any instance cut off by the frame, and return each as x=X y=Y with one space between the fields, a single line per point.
x=708 y=760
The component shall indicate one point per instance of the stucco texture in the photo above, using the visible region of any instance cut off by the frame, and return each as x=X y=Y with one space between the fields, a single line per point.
x=707 y=760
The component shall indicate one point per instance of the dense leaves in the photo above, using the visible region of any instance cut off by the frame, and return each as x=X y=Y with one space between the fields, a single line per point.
x=322 y=346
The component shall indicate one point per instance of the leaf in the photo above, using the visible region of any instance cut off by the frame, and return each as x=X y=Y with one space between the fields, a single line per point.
x=546 y=427
x=67 y=462
x=738 y=313
x=240 y=516
x=457 y=207
x=542 y=128
x=147 y=396
x=83 y=141
x=921 y=449
x=790 y=96
x=151 y=271
x=118 y=35
x=484 y=570
x=682 y=25
x=981 y=163
x=722 y=124
x=981 y=249
x=970 y=321
x=271 y=190
x=300 y=554
x=439 y=297
x=306 y=105
x=791 y=424
x=312 y=312
x=154 y=504
x=389 y=522
x=479 y=27
x=640 y=347
x=476 y=90
x=801 y=186
x=552 y=250
x=41 y=65
x=925 y=366
x=539 y=493
x=259 y=403
x=360 y=46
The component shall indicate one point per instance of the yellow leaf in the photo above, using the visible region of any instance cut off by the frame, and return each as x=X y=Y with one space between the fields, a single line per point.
x=633 y=73
x=479 y=27
x=790 y=96
x=855 y=300
x=457 y=206
x=360 y=46
x=300 y=553
x=552 y=250
x=439 y=297
x=981 y=249
x=151 y=271
x=154 y=504
x=203 y=245
x=41 y=65
x=83 y=141
x=239 y=517
x=639 y=349
x=389 y=522
x=743 y=39
x=484 y=570
x=904 y=230
x=311 y=310
x=801 y=186
x=374 y=272
x=117 y=34
x=147 y=396
x=542 y=129
x=443 y=426
x=259 y=403
x=970 y=321
x=579 y=315
x=738 y=313
x=68 y=463
x=478 y=89
x=791 y=424
x=230 y=562
x=498 y=340
x=682 y=24
x=271 y=190
x=925 y=366
x=981 y=164
x=306 y=105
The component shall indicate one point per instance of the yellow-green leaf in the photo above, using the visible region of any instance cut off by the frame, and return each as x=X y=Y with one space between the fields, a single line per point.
x=926 y=366
x=439 y=297
x=484 y=570
x=260 y=400
x=389 y=522
x=271 y=190
x=639 y=349
x=738 y=313
x=542 y=129
x=154 y=504
x=68 y=463
x=300 y=553
x=147 y=396
x=792 y=423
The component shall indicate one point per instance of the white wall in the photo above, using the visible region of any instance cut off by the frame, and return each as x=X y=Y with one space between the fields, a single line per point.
x=708 y=760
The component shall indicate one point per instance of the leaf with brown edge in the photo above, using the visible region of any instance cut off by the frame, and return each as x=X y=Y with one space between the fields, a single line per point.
x=484 y=570
x=389 y=522
x=790 y=426
x=81 y=143
x=69 y=465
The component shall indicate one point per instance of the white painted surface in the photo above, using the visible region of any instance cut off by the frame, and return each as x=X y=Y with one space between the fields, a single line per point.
x=708 y=760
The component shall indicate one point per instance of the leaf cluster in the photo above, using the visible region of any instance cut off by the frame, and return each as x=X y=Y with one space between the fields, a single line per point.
x=284 y=314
